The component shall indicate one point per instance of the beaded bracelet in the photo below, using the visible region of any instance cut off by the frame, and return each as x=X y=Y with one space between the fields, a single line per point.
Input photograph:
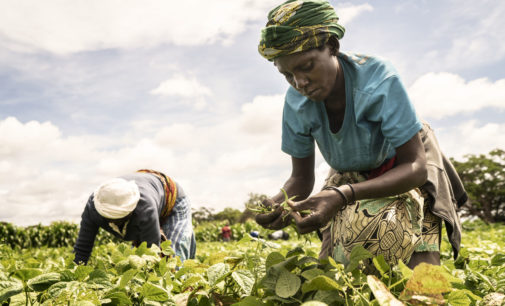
x=339 y=192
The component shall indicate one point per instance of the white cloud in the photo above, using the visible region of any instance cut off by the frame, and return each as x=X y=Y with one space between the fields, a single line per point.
x=471 y=138
x=479 y=39
x=218 y=165
x=64 y=27
x=439 y=95
x=189 y=89
x=347 y=12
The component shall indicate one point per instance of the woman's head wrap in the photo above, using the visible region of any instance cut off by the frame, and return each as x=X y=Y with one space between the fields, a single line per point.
x=116 y=198
x=298 y=25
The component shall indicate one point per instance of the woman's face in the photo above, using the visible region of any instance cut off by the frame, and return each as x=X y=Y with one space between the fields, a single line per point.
x=312 y=73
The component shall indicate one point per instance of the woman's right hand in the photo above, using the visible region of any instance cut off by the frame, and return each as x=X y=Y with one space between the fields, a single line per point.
x=277 y=219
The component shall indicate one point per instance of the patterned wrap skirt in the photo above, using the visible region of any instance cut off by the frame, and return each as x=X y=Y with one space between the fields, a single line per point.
x=395 y=226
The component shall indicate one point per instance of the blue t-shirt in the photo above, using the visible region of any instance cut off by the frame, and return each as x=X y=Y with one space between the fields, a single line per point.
x=379 y=117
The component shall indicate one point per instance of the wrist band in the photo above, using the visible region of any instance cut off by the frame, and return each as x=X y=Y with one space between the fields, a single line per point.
x=339 y=192
x=353 y=199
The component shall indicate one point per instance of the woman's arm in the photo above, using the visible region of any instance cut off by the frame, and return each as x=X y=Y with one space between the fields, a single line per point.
x=301 y=181
x=409 y=172
x=86 y=237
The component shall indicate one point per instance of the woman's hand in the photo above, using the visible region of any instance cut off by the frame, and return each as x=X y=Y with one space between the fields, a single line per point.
x=277 y=219
x=323 y=206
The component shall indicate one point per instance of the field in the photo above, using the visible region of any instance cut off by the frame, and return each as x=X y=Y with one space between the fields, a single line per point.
x=252 y=272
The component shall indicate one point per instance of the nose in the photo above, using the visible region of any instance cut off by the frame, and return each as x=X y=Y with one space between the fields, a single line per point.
x=300 y=81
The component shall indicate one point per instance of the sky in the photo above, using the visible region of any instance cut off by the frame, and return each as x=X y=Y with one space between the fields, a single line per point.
x=94 y=89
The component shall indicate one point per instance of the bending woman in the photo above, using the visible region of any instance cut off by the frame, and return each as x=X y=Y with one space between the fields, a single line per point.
x=389 y=187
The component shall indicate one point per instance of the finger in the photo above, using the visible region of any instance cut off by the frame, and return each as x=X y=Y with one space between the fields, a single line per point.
x=310 y=223
x=298 y=218
x=268 y=203
x=302 y=205
x=264 y=219
x=281 y=222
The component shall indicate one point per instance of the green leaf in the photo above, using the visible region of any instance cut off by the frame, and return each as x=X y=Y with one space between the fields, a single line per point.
x=381 y=293
x=166 y=248
x=288 y=264
x=81 y=272
x=163 y=266
x=329 y=297
x=404 y=270
x=153 y=292
x=98 y=276
x=287 y=285
x=43 y=281
x=427 y=280
x=314 y=303
x=458 y=298
x=308 y=261
x=358 y=253
x=296 y=251
x=244 y=279
x=321 y=282
x=217 y=272
x=310 y=274
x=339 y=256
x=246 y=239
x=249 y=301
x=273 y=259
x=118 y=298
x=270 y=279
x=8 y=289
x=126 y=277
x=55 y=290
x=191 y=280
x=136 y=261
x=470 y=294
x=26 y=274
x=381 y=264
x=498 y=260
x=141 y=249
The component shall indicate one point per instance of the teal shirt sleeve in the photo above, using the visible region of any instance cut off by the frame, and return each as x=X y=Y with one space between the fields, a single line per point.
x=297 y=140
x=391 y=107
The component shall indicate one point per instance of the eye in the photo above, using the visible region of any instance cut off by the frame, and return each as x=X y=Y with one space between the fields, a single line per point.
x=307 y=67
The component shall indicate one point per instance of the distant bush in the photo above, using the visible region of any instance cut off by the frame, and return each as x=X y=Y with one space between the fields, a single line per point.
x=57 y=234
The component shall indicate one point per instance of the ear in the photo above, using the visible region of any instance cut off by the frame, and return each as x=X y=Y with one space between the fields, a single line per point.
x=334 y=45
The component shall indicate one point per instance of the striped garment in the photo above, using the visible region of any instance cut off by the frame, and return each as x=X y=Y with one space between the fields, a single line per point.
x=179 y=229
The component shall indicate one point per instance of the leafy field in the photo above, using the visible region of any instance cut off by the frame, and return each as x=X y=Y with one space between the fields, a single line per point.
x=251 y=272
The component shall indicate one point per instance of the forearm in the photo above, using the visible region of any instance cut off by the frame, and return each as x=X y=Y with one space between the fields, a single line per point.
x=85 y=240
x=299 y=186
x=410 y=172
x=301 y=181
x=398 y=180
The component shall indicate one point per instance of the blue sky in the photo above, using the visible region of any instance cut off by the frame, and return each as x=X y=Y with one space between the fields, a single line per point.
x=96 y=89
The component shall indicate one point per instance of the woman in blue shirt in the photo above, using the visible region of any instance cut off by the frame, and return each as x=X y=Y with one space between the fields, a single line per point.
x=381 y=192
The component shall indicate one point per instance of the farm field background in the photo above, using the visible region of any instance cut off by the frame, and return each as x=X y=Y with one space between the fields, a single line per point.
x=248 y=272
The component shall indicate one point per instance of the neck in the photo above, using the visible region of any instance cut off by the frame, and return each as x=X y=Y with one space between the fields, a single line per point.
x=336 y=100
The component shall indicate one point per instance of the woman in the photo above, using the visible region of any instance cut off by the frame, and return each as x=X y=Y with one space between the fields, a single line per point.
x=144 y=206
x=390 y=186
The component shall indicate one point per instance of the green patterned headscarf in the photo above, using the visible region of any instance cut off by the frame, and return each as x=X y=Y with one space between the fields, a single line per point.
x=298 y=25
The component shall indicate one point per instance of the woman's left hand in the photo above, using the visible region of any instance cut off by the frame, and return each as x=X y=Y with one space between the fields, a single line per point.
x=323 y=206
